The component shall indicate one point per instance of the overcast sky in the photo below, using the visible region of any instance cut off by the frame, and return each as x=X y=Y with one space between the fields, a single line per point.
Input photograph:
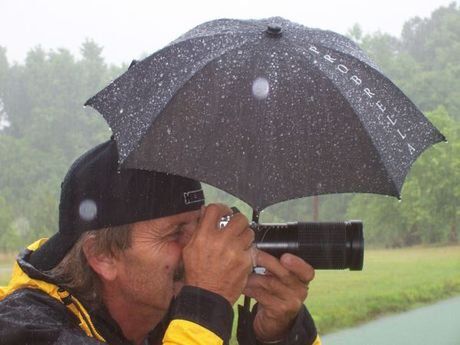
x=128 y=29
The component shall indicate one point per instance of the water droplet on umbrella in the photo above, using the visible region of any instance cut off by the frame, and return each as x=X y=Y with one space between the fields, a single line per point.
x=260 y=88
x=88 y=210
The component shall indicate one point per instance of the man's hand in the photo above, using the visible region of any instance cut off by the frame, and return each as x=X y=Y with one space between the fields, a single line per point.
x=280 y=293
x=219 y=260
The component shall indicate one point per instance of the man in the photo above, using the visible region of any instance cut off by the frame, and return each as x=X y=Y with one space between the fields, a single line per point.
x=139 y=259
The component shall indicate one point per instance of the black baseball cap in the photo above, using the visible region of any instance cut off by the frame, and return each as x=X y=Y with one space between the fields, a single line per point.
x=97 y=194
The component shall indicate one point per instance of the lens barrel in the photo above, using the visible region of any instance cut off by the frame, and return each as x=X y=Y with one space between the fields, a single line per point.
x=325 y=245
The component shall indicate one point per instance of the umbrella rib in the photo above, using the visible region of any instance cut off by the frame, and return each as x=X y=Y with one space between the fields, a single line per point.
x=389 y=177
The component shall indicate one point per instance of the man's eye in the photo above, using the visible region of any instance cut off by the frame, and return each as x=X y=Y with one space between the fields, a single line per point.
x=178 y=231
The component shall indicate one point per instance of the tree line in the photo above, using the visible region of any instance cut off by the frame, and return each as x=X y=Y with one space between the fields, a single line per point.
x=44 y=127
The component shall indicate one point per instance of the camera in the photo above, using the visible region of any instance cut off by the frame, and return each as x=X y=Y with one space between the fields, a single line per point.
x=324 y=245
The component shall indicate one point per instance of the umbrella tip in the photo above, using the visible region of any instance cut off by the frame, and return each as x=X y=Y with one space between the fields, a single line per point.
x=274 y=30
x=132 y=63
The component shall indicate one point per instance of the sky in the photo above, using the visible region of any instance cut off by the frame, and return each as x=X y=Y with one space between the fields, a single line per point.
x=135 y=28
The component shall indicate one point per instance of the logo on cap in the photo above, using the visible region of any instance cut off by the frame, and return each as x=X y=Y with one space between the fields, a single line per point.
x=193 y=197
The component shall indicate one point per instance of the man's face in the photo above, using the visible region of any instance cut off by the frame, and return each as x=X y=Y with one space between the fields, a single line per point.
x=150 y=272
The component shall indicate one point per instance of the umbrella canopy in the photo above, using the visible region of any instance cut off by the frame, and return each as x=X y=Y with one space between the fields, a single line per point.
x=267 y=110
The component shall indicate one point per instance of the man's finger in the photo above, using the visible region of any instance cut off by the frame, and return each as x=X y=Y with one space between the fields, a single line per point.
x=258 y=291
x=246 y=238
x=237 y=225
x=299 y=267
x=273 y=265
x=211 y=217
x=274 y=287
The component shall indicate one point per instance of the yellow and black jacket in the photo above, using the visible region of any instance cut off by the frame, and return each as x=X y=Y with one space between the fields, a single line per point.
x=35 y=310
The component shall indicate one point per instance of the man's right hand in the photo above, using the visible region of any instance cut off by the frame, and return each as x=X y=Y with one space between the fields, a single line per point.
x=219 y=260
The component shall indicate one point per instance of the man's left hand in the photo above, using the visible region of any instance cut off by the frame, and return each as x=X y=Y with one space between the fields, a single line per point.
x=280 y=294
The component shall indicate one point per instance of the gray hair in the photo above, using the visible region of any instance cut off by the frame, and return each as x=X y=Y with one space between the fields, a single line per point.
x=75 y=275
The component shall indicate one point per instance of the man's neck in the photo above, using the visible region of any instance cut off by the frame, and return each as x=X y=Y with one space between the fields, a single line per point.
x=135 y=321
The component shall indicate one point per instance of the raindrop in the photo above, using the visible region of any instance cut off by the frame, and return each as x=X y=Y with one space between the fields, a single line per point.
x=260 y=88
x=121 y=111
x=88 y=210
x=168 y=130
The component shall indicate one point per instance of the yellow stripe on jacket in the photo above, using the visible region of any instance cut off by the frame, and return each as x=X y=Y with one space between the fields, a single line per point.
x=182 y=332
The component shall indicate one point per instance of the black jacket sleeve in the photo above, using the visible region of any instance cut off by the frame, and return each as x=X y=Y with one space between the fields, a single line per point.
x=303 y=331
x=205 y=308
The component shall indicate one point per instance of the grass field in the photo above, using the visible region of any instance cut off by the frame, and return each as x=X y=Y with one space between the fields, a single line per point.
x=391 y=281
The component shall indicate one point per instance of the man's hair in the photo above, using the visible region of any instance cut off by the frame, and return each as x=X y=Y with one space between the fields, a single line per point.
x=75 y=275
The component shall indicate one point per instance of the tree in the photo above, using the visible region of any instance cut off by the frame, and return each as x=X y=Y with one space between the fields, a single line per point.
x=6 y=215
x=437 y=174
x=424 y=61
x=49 y=128
x=429 y=210
x=4 y=66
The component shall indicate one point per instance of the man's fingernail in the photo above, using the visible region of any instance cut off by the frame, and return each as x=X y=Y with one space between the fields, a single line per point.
x=287 y=259
x=235 y=210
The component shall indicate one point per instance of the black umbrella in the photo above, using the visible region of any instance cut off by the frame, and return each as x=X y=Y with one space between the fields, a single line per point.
x=267 y=110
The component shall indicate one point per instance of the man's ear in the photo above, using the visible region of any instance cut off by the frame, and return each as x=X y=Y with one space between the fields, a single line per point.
x=104 y=264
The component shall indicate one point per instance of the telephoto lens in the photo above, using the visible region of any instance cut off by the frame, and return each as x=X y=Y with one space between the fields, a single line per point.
x=325 y=245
